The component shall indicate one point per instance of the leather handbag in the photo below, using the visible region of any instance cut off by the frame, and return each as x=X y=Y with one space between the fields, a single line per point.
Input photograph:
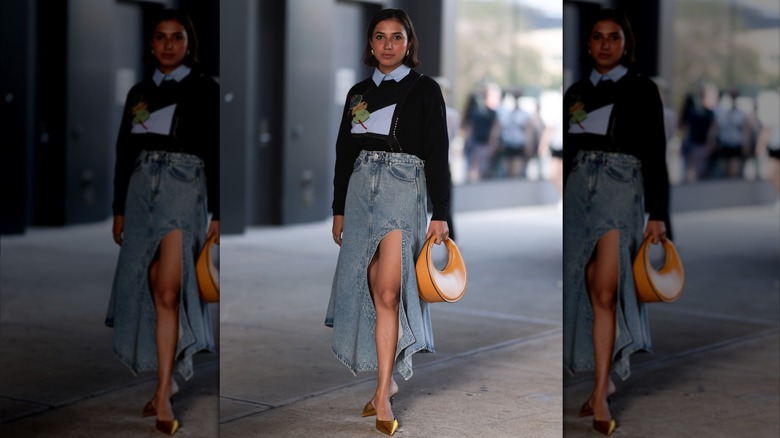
x=447 y=285
x=207 y=273
x=663 y=285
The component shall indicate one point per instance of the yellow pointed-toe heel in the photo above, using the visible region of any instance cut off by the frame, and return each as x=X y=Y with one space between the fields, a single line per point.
x=369 y=410
x=387 y=427
x=605 y=427
x=168 y=427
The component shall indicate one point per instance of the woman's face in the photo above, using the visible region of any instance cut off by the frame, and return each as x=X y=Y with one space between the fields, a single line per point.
x=169 y=45
x=606 y=45
x=389 y=44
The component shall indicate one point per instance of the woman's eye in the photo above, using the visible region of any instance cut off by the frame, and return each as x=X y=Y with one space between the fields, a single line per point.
x=595 y=37
x=379 y=37
x=615 y=37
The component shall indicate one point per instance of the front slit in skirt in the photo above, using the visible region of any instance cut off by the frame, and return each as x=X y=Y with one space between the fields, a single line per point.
x=167 y=191
x=386 y=192
x=604 y=192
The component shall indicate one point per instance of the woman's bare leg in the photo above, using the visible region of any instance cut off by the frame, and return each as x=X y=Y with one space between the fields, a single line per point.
x=165 y=277
x=602 y=278
x=384 y=280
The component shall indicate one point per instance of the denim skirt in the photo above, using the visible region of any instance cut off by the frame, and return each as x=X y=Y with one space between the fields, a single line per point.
x=604 y=192
x=167 y=191
x=386 y=192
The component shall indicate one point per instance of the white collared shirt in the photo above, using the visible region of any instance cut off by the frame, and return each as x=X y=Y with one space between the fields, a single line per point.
x=399 y=73
x=177 y=75
x=613 y=75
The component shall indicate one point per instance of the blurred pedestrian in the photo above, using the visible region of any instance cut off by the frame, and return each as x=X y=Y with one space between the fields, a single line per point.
x=481 y=130
x=516 y=137
x=698 y=130
x=166 y=179
x=614 y=172
x=769 y=138
x=733 y=137
x=392 y=143
x=551 y=140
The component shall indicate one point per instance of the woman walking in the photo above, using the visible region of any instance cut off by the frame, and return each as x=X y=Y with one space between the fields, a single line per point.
x=166 y=179
x=391 y=151
x=614 y=172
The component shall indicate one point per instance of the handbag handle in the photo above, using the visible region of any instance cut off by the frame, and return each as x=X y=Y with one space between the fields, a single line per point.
x=446 y=285
x=665 y=284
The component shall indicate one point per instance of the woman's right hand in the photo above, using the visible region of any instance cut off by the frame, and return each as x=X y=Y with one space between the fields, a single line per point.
x=338 y=227
x=118 y=227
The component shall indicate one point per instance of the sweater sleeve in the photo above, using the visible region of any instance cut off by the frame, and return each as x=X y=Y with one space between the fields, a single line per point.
x=125 y=156
x=569 y=152
x=653 y=150
x=211 y=144
x=436 y=147
x=346 y=153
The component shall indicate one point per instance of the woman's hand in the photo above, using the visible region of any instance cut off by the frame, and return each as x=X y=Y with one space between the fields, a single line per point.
x=656 y=229
x=438 y=229
x=213 y=230
x=338 y=228
x=117 y=228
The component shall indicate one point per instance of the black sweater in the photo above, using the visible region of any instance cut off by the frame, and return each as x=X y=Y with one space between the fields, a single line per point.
x=194 y=130
x=421 y=130
x=636 y=127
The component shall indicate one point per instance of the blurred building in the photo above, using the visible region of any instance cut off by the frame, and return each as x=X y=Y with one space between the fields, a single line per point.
x=284 y=68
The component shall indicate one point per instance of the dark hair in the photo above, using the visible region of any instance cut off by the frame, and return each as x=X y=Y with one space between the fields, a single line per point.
x=628 y=59
x=192 y=58
x=399 y=15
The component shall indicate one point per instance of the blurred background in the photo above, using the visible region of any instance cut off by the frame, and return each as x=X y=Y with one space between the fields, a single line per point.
x=284 y=67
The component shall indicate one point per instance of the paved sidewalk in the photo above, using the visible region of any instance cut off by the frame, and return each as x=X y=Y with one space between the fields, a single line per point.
x=715 y=370
x=496 y=372
x=59 y=376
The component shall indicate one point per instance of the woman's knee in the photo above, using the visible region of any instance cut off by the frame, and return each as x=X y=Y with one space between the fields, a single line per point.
x=386 y=298
x=167 y=298
x=604 y=299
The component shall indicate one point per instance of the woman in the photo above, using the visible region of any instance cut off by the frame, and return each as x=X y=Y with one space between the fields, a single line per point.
x=392 y=141
x=614 y=171
x=166 y=178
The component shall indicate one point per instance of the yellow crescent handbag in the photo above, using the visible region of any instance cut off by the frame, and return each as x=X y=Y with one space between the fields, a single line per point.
x=447 y=285
x=207 y=273
x=665 y=284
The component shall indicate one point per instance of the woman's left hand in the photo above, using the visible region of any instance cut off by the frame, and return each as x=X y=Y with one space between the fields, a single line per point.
x=656 y=229
x=213 y=229
x=438 y=229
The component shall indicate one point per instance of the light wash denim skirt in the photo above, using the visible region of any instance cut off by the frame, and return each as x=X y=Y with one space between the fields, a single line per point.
x=386 y=192
x=167 y=191
x=604 y=192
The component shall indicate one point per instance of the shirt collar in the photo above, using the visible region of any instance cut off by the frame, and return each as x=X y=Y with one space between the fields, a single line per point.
x=177 y=75
x=399 y=73
x=613 y=75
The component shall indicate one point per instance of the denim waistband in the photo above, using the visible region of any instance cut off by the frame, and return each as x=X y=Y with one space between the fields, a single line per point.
x=169 y=157
x=607 y=157
x=390 y=158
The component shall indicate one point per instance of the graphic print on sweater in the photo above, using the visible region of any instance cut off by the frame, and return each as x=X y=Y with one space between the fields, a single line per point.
x=157 y=122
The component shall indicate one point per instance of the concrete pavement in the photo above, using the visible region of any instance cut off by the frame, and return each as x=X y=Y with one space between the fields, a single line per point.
x=715 y=370
x=496 y=372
